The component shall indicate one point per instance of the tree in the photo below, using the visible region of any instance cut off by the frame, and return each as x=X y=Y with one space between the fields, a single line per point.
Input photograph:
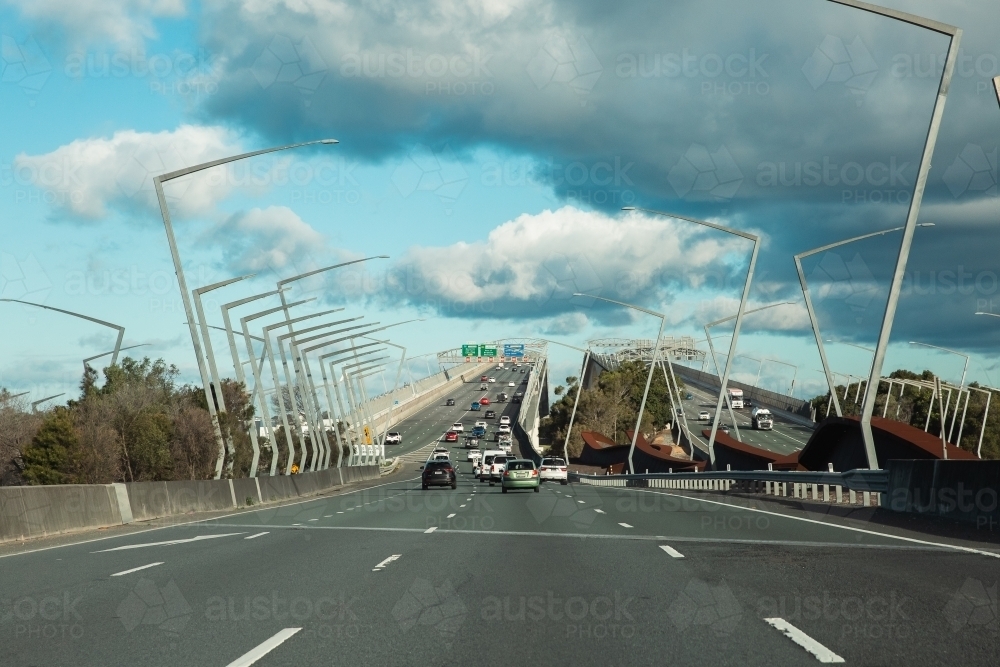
x=18 y=426
x=50 y=458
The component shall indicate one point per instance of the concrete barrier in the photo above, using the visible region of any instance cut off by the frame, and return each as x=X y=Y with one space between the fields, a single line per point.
x=37 y=511
x=962 y=490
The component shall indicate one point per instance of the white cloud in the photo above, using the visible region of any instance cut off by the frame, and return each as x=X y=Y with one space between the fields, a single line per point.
x=86 y=177
x=791 y=317
x=565 y=324
x=123 y=22
x=532 y=265
x=268 y=239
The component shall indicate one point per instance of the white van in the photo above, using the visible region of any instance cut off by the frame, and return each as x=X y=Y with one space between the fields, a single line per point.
x=486 y=462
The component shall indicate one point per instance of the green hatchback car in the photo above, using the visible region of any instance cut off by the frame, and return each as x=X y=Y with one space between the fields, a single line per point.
x=520 y=474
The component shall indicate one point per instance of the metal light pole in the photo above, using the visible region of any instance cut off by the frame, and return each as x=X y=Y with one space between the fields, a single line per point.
x=739 y=313
x=961 y=384
x=361 y=399
x=813 y=321
x=795 y=373
x=954 y=35
x=216 y=381
x=168 y=227
x=715 y=360
x=34 y=406
x=348 y=426
x=649 y=376
x=86 y=362
x=329 y=397
x=237 y=366
x=579 y=390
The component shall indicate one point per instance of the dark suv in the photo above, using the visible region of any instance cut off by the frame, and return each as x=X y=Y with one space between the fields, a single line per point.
x=438 y=473
x=490 y=414
x=450 y=401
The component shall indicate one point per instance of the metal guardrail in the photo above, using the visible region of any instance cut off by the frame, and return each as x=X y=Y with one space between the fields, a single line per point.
x=875 y=481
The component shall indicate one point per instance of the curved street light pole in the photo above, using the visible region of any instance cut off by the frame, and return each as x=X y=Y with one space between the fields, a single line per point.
x=579 y=390
x=168 y=227
x=119 y=329
x=954 y=38
x=961 y=385
x=86 y=362
x=739 y=313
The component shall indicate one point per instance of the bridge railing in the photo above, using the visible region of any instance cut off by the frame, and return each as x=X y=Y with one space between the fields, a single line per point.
x=852 y=487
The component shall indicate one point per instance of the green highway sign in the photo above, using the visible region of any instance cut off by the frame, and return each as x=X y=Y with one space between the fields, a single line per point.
x=470 y=350
x=487 y=350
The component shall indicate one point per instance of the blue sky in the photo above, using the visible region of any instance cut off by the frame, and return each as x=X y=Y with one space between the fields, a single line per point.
x=487 y=148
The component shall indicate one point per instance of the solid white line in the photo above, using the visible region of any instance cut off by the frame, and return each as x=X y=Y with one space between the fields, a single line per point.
x=674 y=553
x=624 y=525
x=136 y=569
x=260 y=651
x=431 y=529
x=250 y=537
x=820 y=652
x=165 y=544
x=940 y=545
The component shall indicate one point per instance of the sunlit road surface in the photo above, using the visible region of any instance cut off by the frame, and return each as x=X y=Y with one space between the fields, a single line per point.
x=576 y=574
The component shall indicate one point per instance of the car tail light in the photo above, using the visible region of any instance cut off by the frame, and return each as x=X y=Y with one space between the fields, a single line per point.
x=506 y=473
x=534 y=473
x=562 y=469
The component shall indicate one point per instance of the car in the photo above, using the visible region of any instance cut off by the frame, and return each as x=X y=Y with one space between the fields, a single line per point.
x=484 y=378
x=475 y=406
x=504 y=428
x=724 y=428
x=457 y=427
x=451 y=436
x=483 y=473
x=490 y=414
x=688 y=397
x=747 y=403
x=553 y=469
x=450 y=401
x=511 y=384
x=473 y=455
x=481 y=423
x=484 y=401
x=438 y=473
x=440 y=451
x=493 y=379
x=704 y=415
x=483 y=387
x=393 y=438
x=471 y=442
x=516 y=399
x=522 y=370
x=496 y=468
x=478 y=431
x=501 y=397
x=505 y=419
x=520 y=474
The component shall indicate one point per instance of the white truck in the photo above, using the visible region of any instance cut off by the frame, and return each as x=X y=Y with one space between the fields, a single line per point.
x=735 y=398
x=761 y=419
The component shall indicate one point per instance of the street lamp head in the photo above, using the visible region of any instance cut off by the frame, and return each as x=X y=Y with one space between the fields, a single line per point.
x=628 y=208
x=925 y=224
x=328 y=141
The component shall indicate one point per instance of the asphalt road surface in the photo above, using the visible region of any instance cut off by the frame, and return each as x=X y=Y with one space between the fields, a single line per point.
x=785 y=438
x=392 y=575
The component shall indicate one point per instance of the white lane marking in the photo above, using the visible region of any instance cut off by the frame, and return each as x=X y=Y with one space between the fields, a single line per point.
x=431 y=529
x=327 y=516
x=260 y=651
x=451 y=515
x=674 y=553
x=383 y=564
x=136 y=569
x=461 y=505
x=939 y=545
x=599 y=511
x=250 y=537
x=820 y=652
x=296 y=524
x=314 y=519
x=339 y=512
x=624 y=525
x=165 y=544
x=581 y=502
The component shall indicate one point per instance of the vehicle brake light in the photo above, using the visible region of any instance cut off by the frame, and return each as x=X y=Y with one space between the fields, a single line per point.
x=534 y=473
x=562 y=469
x=506 y=473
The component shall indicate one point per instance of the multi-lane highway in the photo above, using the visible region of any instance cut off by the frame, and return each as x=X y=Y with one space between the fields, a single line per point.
x=390 y=574
x=785 y=438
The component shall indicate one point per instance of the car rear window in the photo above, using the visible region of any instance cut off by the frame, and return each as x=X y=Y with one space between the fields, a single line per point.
x=438 y=464
x=520 y=465
x=500 y=459
x=553 y=462
x=488 y=460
